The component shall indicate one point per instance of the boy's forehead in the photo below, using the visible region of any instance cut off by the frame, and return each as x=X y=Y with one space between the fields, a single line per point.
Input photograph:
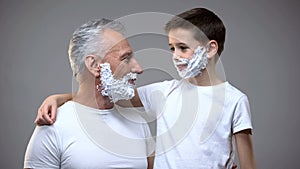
x=181 y=36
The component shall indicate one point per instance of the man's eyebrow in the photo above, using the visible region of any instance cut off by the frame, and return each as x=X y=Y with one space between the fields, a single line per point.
x=127 y=54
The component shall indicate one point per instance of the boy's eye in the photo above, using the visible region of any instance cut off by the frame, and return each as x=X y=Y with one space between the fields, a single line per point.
x=172 y=49
x=183 y=48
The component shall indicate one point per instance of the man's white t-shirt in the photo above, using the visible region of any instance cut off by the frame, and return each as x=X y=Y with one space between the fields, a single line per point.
x=195 y=124
x=84 y=137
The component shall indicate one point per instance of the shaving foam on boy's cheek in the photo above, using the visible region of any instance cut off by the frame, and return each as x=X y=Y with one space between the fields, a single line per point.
x=195 y=65
x=116 y=89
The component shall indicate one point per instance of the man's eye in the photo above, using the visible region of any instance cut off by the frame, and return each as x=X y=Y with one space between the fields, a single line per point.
x=127 y=58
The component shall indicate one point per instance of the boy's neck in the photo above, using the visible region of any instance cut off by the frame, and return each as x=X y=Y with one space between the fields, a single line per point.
x=206 y=78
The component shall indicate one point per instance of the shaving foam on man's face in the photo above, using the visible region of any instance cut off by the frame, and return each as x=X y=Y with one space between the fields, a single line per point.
x=195 y=65
x=116 y=89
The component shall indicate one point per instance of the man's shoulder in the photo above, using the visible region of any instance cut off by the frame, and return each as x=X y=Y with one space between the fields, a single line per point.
x=133 y=114
x=65 y=114
x=67 y=107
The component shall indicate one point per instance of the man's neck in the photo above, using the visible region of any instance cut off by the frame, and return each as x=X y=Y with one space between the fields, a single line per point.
x=89 y=96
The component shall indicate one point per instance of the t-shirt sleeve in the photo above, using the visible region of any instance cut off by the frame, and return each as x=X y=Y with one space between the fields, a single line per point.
x=145 y=95
x=242 y=115
x=153 y=96
x=43 y=149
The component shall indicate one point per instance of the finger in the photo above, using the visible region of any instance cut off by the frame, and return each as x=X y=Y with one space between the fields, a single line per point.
x=38 y=116
x=53 y=113
x=40 y=122
x=46 y=117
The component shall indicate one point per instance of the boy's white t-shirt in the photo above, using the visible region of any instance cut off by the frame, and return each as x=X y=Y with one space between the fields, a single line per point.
x=195 y=124
x=84 y=137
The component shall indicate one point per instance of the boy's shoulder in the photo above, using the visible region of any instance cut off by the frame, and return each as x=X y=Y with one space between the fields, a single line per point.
x=161 y=86
x=234 y=93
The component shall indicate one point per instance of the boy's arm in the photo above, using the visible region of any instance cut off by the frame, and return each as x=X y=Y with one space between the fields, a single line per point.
x=47 y=111
x=245 y=149
x=150 y=160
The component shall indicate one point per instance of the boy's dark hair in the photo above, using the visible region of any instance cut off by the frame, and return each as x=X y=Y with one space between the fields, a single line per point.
x=210 y=25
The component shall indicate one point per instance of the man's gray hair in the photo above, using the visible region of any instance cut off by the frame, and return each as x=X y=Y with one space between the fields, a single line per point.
x=88 y=40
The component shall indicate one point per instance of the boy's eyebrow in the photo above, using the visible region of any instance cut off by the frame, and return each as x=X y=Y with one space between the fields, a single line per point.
x=180 y=43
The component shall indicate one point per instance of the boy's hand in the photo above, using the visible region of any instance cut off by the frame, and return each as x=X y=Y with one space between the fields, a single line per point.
x=47 y=111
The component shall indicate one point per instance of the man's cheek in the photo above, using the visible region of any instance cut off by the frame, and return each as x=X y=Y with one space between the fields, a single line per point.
x=121 y=70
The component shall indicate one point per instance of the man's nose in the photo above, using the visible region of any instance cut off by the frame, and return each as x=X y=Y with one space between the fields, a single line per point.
x=136 y=67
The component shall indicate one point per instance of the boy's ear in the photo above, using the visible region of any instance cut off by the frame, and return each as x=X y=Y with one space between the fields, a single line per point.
x=212 y=49
x=92 y=64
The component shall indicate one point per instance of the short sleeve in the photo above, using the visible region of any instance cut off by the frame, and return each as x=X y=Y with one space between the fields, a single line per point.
x=146 y=94
x=154 y=96
x=242 y=115
x=43 y=149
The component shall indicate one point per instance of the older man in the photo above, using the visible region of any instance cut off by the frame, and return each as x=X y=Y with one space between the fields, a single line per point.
x=90 y=132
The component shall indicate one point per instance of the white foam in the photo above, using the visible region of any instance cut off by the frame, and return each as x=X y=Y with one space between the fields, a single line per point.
x=116 y=89
x=194 y=65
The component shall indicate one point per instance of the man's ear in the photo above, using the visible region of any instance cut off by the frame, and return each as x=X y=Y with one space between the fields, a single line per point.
x=212 y=49
x=92 y=64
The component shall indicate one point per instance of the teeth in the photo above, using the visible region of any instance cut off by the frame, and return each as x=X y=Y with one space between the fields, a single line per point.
x=181 y=64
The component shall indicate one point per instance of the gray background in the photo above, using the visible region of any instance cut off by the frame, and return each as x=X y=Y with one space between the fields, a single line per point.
x=260 y=57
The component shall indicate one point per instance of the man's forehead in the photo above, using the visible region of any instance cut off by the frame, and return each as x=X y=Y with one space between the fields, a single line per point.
x=113 y=36
x=119 y=50
x=116 y=42
x=120 y=47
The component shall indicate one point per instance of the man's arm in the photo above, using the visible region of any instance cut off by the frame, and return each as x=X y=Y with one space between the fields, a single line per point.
x=47 y=111
x=245 y=149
